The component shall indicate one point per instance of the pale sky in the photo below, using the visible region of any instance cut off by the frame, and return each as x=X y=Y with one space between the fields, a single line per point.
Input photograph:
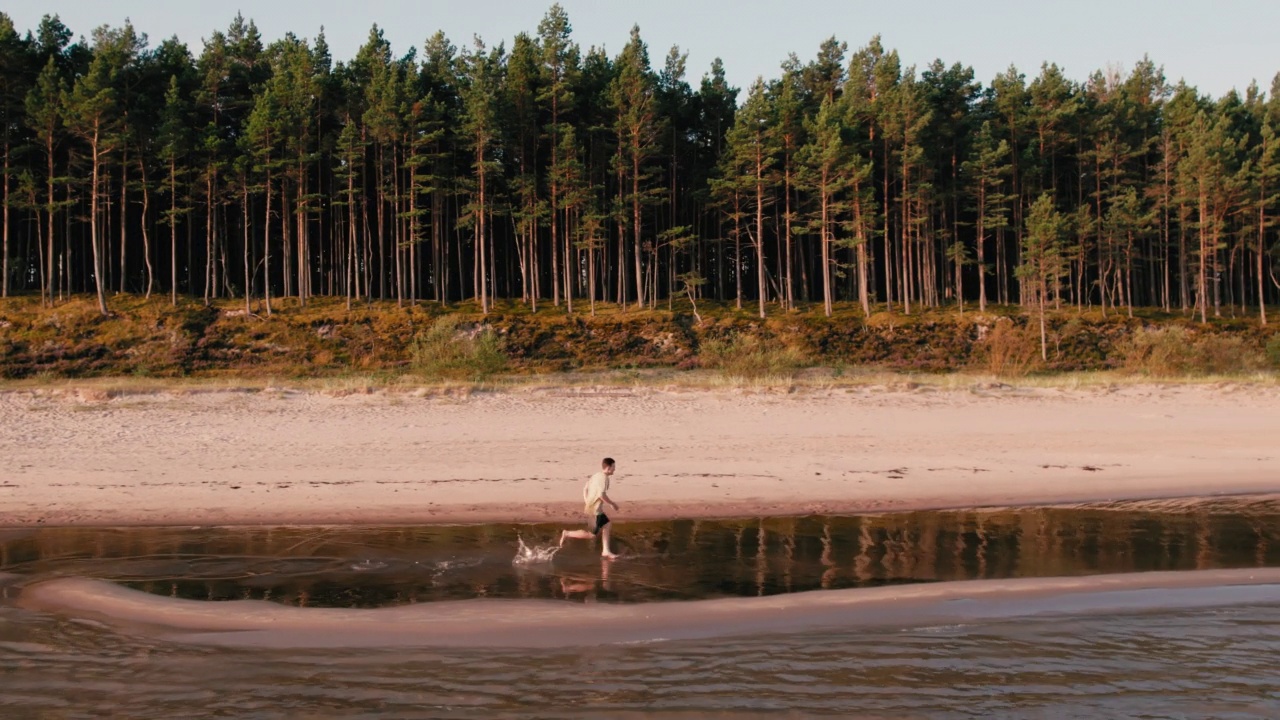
x=1214 y=45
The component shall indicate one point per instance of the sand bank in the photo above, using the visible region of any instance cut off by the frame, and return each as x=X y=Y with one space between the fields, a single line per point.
x=551 y=623
x=292 y=457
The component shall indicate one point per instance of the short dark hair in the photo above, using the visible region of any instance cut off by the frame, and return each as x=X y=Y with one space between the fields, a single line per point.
x=606 y=463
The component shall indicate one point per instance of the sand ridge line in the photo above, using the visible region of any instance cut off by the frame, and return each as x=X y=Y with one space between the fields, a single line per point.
x=486 y=622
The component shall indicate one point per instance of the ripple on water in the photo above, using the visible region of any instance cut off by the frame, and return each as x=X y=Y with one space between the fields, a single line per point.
x=1198 y=662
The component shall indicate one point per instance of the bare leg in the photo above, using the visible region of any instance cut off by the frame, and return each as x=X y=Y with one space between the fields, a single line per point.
x=604 y=536
x=575 y=534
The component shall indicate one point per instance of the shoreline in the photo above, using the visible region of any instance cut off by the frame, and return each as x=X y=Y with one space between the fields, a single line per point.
x=1219 y=502
x=80 y=456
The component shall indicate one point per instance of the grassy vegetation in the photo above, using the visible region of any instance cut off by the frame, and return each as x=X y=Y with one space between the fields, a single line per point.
x=325 y=346
x=453 y=349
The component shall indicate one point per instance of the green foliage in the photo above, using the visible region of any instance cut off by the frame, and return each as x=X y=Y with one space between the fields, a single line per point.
x=749 y=357
x=151 y=338
x=455 y=350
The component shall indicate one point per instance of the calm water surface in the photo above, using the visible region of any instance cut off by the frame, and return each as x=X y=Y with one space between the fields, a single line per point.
x=1212 y=663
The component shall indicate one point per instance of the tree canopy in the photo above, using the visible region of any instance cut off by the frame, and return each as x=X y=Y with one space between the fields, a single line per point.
x=546 y=173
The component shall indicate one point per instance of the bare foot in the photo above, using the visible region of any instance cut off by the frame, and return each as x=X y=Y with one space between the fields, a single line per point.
x=608 y=556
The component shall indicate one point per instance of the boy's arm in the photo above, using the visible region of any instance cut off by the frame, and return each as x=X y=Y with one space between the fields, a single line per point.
x=605 y=497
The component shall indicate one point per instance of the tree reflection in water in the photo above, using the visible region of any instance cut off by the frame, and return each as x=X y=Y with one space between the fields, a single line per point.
x=683 y=559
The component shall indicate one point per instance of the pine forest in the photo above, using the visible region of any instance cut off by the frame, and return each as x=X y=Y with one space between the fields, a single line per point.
x=550 y=174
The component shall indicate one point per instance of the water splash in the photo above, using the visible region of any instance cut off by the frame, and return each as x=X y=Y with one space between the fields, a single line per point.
x=536 y=555
x=365 y=565
x=444 y=566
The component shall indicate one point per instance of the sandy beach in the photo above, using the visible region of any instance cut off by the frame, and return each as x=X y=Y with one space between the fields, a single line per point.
x=84 y=457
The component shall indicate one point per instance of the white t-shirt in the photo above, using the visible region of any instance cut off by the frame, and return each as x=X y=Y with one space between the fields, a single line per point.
x=593 y=493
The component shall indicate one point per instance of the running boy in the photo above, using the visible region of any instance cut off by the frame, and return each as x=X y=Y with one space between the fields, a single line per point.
x=594 y=495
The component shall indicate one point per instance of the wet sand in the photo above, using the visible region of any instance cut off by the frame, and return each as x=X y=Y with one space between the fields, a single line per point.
x=551 y=623
x=72 y=457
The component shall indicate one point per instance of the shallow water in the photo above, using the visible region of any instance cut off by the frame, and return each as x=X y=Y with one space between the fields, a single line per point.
x=680 y=560
x=1215 y=662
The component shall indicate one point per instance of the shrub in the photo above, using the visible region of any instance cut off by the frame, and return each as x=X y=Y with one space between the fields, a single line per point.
x=1273 y=351
x=1180 y=351
x=1156 y=351
x=454 y=350
x=1009 y=350
x=1223 y=354
x=749 y=357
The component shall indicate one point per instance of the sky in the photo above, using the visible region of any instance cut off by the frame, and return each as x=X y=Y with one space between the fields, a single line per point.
x=1214 y=45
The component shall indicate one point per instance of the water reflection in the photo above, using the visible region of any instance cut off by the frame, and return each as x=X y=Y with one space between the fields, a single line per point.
x=684 y=559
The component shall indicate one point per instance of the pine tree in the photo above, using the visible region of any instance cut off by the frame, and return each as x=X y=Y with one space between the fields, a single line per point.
x=950 y=93
x=426 y=130
x=1009 y=101
x=632 y=94
x=874 y=76
x=215 y=68
x=90 y=112
x=1042 y=258
x=441 y=80
x=483 y=72
x=174 y=141
x=1128 y=221
x=44 y=116
x=294 y=89
x=907 y=122
x=752 y=147
x=14 y=85
x=675 y=105
x=987 y=169
x=825 y=161
x=560 y=57
x=382 y=123
x=263 y=136
x=717 y=104
x=1053 y=103
x=350 y=156
x=524 y=84
x=1266 y=193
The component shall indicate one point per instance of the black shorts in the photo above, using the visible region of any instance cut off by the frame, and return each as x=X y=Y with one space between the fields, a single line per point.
x=596 y=525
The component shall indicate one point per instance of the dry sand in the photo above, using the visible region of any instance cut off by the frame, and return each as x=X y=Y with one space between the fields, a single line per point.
x=230 y=457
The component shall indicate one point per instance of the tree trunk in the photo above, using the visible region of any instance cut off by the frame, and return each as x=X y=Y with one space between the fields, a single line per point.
x=146 y=237
x=208 y=234
x=300 y=227
x=4 y=264
x=481 y=264
x=786 y=215
x=94 y=240
x=1262 y=230
x=49 y=277
x=266 y=241
x=1044 y=290
x=1202 y=278
x=351 y=234
x=825 y=239
x=982 y=243
x=636 y=224
x=760 y=279
x=173 y=232
x=382 y=225
x=124 y=215
x=244 y=220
